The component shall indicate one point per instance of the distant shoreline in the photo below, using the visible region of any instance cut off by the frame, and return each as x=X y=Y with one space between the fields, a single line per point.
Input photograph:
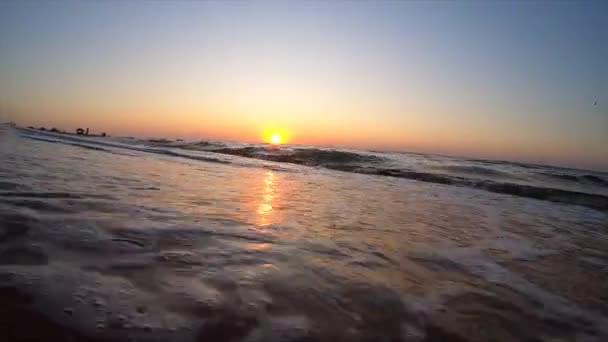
x=487 y=160
x=58 y=131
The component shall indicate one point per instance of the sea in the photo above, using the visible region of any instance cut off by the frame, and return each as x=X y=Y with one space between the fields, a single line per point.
x=131 y=239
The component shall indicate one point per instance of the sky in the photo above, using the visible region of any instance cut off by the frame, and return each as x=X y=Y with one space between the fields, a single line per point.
x=521 y=81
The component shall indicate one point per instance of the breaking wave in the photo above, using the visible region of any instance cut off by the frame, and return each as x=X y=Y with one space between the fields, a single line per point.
x=471 y=176
x=371 y=164
x=594 y=201
x=474 y=170
x=585 y=178
x=300 y=156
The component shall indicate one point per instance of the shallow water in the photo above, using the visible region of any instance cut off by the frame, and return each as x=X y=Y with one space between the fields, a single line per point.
x=119 y=239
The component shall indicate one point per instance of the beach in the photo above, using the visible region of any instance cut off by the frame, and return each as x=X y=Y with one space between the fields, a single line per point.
x=120 y=239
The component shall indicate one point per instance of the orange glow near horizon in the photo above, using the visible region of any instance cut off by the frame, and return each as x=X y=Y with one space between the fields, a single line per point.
x=335 y=74
x=275 y=136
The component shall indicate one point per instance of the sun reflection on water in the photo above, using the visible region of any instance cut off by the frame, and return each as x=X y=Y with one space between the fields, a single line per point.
x=265 y=208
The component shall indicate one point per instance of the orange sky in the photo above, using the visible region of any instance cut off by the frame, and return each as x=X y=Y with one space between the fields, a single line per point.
x=397 y=76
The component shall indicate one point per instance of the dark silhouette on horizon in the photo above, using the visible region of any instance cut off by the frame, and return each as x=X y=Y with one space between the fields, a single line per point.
x=81 y=131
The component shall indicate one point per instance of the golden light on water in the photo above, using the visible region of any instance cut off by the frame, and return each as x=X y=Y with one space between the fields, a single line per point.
x=268 y=196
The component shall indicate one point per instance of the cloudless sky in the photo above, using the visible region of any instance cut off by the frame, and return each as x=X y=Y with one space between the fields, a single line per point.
x=505 y=80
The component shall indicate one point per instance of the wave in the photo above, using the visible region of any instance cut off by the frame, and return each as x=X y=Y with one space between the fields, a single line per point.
x=198 y=145
x=392 y=172
x=95 y=148
x=585 y=178
x=594 y=201
x=371 y=164
x=362 y=163
x=595 y=179
x=161 y=141
x=513 y=163
x=300 y=156
x=201 y=145
x=474 y=170
x=113 y=147
x=180 y=155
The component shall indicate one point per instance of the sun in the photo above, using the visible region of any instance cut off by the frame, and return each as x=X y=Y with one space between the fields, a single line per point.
x=275 y=135
x=275 y=138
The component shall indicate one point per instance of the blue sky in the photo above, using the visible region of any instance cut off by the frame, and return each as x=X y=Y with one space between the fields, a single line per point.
x=513 y=80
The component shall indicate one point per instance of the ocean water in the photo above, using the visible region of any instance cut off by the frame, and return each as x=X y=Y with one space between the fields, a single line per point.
x=123 y=239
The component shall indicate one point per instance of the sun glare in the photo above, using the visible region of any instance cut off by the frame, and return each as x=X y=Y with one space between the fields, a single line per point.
x=275 y=135
x=275 y=138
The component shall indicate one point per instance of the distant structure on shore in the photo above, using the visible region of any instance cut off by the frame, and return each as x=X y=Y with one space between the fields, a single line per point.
x=81 y=131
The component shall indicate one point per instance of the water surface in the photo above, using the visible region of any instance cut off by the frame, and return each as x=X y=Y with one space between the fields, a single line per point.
x=154 y=240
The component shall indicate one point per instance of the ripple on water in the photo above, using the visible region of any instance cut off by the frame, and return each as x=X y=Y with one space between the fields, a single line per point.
x=179 y=250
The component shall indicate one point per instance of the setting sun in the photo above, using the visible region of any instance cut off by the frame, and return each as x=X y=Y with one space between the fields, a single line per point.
x=416 y=170
x=275 y=138
x=275 y=135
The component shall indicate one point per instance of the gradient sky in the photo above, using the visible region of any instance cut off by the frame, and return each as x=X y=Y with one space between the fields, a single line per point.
x=498 y=80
